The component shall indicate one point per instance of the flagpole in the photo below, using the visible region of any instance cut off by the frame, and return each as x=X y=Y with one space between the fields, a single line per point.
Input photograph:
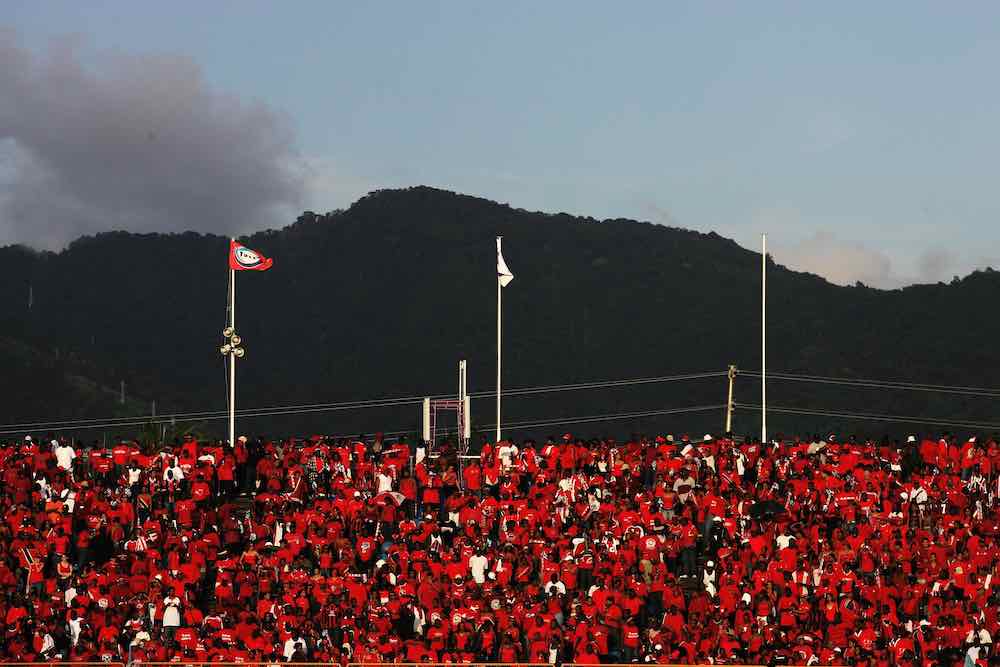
x=232 y=359
x=763 y=339
x=499 y=334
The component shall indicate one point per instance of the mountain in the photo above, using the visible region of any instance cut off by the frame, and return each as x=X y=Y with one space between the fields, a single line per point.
x=383 y=299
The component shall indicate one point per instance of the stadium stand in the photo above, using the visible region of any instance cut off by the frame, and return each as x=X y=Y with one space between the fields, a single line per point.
x=819 y=551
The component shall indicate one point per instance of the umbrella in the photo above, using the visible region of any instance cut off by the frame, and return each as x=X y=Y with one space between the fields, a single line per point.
x=387 y=497
x=766 y=509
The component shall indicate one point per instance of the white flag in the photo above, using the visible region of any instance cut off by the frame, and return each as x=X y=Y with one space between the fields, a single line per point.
x=503 y=273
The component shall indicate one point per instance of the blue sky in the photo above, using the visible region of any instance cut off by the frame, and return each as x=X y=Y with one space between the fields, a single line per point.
x=861 y=136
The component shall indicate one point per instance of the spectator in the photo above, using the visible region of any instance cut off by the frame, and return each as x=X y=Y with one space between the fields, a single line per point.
x=812 y=551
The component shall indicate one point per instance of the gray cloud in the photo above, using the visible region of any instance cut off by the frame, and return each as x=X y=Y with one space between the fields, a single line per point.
x=839 y=261
x=936 y=264
x=134 y=142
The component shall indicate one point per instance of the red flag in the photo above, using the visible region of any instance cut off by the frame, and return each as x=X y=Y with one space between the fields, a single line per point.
x=242 y=258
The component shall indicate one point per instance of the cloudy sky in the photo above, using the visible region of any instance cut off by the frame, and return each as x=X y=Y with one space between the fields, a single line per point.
x=864 y=138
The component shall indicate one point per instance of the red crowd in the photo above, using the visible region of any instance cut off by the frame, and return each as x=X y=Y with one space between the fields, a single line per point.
x=818 y=551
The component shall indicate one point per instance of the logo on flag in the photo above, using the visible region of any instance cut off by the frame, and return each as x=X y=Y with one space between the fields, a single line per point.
x=242 y=258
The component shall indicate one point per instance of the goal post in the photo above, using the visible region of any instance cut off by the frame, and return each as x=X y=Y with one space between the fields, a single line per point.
x=461 y=406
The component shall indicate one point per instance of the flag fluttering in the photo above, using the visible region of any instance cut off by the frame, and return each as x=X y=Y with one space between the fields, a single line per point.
x=503 y=273
x=242 y=258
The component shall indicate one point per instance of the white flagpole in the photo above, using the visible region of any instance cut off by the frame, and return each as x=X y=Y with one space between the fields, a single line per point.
x=763 y=339
x=232 y=360
x=499 y=335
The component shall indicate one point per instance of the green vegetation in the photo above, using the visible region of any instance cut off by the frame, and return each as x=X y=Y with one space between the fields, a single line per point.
x=382 y=299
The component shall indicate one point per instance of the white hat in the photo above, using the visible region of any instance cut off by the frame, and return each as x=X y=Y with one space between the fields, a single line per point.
x=707 y=438
x=709 y=564
x=54 y=443
x=911 y=438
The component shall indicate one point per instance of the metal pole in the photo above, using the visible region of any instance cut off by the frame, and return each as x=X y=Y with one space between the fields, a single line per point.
x=763 y=339
x=499 y=334
x=729 y=400
x=232 y=360
x=463 y=403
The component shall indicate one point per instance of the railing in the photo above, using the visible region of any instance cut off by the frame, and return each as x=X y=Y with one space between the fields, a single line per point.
x=248 y=663
x=68 y=663
x=450 y=664
x=657 y=664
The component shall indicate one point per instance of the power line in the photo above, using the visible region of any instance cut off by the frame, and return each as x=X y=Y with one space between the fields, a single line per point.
x=554 y=421
x=208 y=415
x=601 y=384
x=878 y=384
x=610 y=417
x=560 y=421
x=863 y=416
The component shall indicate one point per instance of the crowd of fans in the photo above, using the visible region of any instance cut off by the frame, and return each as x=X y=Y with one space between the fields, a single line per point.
x=821 y=551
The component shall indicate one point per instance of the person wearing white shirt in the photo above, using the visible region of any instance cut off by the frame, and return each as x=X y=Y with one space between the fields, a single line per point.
x=134 y=474
x=69 y=500
x=384 y=482
x=783 y=540
x=140 y=638
x=709 y=578
x=554 y=587
x=683 y=485
x=75 y=626
x=477 y=565
x=178 y=474
x=507 y=452
x=979 y=635
x=171 y=615
x=64 y=455
x=48 y=644
x=291 y=644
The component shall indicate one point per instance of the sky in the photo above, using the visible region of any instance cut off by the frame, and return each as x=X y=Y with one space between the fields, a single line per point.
x=861 y=137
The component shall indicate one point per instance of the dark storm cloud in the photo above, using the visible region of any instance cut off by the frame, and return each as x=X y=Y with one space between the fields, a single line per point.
x=133 y=142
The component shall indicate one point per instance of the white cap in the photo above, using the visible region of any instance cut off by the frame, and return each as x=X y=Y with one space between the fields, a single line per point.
x=707 y=438
x=911 y=438
x=54 y=443
x=709 y=564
